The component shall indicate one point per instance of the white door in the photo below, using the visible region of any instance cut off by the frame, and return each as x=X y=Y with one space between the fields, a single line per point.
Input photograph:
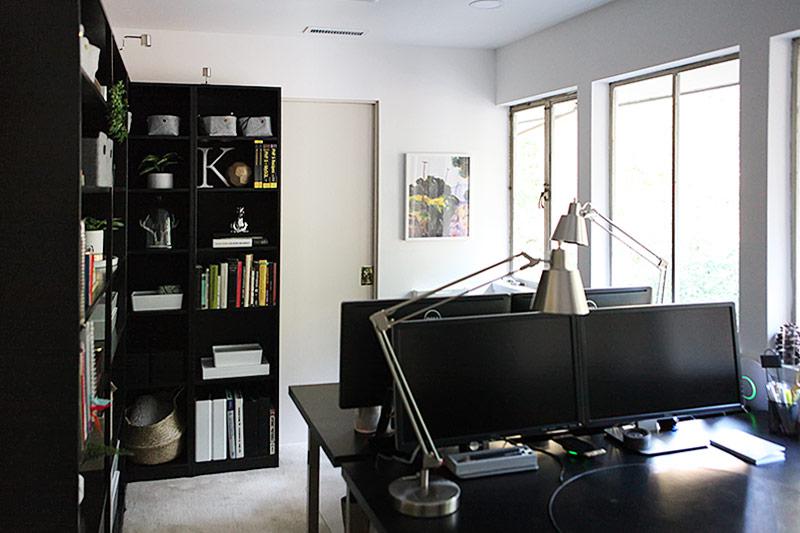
x=326 y=237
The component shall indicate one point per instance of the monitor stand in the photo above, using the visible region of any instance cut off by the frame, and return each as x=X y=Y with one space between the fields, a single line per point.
x=684 y=436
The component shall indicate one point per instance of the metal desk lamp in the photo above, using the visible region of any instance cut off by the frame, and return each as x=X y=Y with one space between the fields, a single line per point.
x=572 y=228
x=422 y=495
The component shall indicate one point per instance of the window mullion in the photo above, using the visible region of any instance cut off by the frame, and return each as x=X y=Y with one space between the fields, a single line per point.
x=675 y=131
x=548 y=129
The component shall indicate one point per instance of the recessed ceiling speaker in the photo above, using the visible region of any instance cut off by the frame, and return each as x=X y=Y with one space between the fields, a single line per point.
x=753 y=384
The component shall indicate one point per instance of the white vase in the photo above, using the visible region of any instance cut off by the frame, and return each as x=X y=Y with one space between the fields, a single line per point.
x=94 y=241
x=159 y=180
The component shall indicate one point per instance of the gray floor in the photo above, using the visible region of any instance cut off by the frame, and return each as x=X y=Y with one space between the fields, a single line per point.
x=269 y=500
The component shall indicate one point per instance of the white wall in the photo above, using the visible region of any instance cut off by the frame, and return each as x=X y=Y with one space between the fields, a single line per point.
x=635 y=35
x=431 y=100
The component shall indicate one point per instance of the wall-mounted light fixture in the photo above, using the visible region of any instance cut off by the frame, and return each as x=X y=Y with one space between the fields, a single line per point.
x=144 y=39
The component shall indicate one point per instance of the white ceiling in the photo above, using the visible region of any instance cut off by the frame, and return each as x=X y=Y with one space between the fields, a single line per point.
x=405 y=22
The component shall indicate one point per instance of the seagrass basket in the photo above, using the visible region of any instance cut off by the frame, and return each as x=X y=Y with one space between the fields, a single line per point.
x=156 y=443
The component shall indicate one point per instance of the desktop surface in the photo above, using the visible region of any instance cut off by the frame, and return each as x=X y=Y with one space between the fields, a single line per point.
x=653 y=494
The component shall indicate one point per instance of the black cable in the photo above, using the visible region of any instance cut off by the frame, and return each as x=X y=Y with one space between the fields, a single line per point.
x=561 y=487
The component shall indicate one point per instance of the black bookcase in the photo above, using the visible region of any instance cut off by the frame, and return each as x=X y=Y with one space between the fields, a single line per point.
x=164 y=348
x=50 y=104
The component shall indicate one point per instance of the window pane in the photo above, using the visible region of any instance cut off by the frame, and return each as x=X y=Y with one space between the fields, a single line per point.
x=563 y=159
x=528 y=167
x=707 y=185
x=641 y=188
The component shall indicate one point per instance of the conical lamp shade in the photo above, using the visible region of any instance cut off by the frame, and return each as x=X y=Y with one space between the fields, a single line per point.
x=572 y=227
x=560 y=291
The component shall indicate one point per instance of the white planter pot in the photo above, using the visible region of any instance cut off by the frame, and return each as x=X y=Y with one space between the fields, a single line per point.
x=94 y=241
x=159 y=180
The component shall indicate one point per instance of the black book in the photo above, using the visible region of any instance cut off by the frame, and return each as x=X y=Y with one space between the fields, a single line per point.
x=198 y=286
x=256 y=425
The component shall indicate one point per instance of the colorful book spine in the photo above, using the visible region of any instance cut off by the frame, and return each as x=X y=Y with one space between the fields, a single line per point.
x=262 y=282
x=214 y=274
x=273 y=281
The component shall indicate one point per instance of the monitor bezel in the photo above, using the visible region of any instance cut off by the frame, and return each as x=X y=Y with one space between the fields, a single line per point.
x=605 y=422
x=542 y=430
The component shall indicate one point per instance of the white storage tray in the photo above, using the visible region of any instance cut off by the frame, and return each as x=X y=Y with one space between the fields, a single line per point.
x=153 y=301
x=236 y=354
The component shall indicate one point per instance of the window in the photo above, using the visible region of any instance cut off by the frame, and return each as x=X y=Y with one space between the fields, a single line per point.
x=675 y=179
x=544 y=153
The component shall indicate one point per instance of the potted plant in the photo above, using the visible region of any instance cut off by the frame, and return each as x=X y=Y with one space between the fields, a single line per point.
x=118 y=115
x=153 y=166
x=95 y=232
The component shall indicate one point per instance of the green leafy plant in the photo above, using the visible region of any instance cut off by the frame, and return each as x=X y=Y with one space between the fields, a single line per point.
x=93 y=224
x=157 y=163
x=95 y=451
x=118 y=112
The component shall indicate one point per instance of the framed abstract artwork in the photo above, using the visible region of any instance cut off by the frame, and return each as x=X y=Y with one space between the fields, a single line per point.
x=437 y=196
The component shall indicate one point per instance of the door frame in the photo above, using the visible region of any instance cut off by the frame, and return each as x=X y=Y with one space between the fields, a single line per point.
x=375 y=170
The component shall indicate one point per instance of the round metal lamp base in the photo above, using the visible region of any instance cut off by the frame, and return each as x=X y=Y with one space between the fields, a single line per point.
x=440 y=499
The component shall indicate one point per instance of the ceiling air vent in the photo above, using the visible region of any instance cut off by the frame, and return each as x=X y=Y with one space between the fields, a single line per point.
x=333 y=31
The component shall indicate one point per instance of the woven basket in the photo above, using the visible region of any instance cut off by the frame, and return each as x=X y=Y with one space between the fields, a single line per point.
x=157 y=443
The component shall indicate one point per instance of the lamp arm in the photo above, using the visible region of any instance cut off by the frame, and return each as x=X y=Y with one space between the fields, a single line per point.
x=383 y=321
x=590 y=213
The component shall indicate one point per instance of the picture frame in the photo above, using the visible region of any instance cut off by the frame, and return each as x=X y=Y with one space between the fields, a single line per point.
x=437 y=196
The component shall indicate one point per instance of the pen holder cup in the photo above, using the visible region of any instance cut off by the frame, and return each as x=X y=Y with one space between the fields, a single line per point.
x=783 y=419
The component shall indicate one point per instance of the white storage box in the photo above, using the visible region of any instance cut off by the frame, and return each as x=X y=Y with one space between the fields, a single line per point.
x=236 y=354
x=97 y=156
x=222 y=125
x=153 y=301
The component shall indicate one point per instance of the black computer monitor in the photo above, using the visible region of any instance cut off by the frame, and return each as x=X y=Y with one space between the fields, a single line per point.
x=488 y=377
x=659 y=361
x=364 y=378
x=618 y=296
x=608 y=297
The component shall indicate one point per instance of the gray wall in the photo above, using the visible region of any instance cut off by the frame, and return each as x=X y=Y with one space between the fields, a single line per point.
x=628 y=36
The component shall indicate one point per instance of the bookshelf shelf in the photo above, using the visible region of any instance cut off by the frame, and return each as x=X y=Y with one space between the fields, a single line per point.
x=159 y=137
x=159 y=251
x=232 y=190
x=165 y=312
x=158 y=191
x=95 y=190
x=237 y=310
x=231 y=465
x=250 y=249
x=236 y=138
x=199 y=381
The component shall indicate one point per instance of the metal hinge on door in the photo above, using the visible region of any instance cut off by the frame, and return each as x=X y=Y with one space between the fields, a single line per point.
x=367 y=275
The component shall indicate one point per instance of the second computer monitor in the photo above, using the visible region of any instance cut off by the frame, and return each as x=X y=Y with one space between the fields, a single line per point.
x=659 y=361
x=606 y=297
x=488 y=377
x=364 y=378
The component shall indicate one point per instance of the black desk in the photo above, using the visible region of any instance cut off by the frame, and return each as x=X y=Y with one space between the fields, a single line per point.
x=330 y=428
x=701 y=490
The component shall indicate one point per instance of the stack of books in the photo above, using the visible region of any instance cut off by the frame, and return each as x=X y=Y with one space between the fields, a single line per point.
x=236 y=283
x=234 y=425
x=265 y=169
